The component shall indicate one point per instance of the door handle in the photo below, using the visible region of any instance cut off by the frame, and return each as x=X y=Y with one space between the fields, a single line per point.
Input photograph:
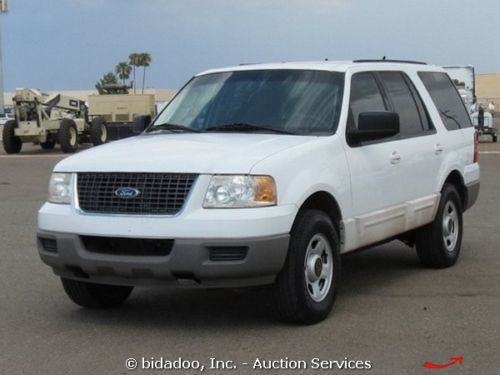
x=395 y=157
x=438 y=148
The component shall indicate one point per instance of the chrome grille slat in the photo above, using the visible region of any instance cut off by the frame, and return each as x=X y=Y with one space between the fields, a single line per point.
x=160 y=193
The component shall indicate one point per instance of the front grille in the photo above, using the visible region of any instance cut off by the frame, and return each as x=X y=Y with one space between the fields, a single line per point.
x=158 y=193
x=127 y=246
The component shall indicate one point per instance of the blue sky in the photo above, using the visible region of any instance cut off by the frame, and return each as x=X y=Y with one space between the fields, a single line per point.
x=69 y=44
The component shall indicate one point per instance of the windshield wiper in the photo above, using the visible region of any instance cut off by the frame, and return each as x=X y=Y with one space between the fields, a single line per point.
x=173 y=128
x=241 y=126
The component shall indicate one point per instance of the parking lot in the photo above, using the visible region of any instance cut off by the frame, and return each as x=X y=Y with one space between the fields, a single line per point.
x=390 y=311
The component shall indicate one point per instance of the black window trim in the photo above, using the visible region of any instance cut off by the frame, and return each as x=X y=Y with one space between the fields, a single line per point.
x=416 y=95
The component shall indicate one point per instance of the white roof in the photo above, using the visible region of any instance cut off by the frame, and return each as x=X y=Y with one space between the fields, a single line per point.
x=337 y=66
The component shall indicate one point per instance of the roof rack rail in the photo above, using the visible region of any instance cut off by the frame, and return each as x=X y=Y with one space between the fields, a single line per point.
x=389 y=60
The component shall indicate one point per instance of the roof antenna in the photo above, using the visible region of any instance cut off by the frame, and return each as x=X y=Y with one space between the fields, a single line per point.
x=383 y=57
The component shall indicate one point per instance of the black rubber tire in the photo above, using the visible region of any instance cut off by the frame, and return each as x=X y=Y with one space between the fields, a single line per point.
x=11 y=143
x=96 y=296
x=96 y=131
x=495 y=138
x=49 y=144
x=290 y=297
x=67 y=146
x=431 y=248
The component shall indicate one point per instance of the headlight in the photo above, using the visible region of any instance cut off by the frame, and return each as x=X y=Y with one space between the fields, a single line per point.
x=239 y=191
x=60 y=188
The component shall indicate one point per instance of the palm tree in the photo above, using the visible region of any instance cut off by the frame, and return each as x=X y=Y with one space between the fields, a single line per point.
x=123 y=70
x=134 y=62
x=144 y=61
x=107 y=79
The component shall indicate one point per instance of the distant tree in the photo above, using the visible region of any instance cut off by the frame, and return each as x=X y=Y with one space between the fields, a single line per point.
x=107 y=79
x=123 y=70
x=144 y=61
x=133 y=60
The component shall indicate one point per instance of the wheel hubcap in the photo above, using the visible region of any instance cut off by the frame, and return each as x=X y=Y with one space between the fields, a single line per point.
x=450 y=226
x=318 y=267
x=104 y=133
x=72 y=136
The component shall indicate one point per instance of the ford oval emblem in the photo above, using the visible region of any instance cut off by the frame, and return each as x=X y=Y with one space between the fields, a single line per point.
x=127 y=192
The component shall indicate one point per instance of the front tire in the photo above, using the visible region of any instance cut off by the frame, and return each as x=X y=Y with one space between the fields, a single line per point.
x=95 y=296
x=98 y=131
x=306 y=287
x=11 y=143
x=439 y=243
x=68 y=136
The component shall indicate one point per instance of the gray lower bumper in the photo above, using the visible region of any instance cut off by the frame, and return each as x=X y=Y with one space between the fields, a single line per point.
x=472 y=194
x=187 y=264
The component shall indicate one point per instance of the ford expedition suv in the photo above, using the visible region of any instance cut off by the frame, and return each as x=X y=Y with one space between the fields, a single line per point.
x=264 y=175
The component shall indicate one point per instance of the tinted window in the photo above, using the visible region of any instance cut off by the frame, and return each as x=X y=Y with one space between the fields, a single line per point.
x=365 y=97
x=403 y=102
x=447 y=100
x=298 y=101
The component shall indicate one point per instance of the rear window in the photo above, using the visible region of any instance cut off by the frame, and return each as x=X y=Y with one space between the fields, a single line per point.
x=447 y=99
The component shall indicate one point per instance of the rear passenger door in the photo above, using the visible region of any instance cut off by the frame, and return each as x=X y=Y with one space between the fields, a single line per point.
x=421 y=151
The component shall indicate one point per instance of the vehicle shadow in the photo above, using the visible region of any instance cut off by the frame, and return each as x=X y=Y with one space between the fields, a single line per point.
x=364 y=272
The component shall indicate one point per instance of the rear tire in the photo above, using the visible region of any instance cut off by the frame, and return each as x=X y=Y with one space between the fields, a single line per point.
x=98 y=131
x=11 y=143
x=495 y=138
x=68 y=136
x=306 y=287
x=96 y=296
x=439 y=243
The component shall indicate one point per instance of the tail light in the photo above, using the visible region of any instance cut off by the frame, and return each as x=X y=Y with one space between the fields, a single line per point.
x=476 y=147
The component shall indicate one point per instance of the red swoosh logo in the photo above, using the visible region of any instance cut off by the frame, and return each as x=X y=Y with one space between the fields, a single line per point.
x=435 y=366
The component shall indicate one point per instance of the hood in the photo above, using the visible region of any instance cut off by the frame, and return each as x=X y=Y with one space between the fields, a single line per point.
x=178 y=153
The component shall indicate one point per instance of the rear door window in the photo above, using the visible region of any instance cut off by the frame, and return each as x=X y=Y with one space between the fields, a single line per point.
x=403 y=102
x=447 y=99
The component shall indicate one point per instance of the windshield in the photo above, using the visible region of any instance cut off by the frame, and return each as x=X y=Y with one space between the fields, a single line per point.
x=279 y=101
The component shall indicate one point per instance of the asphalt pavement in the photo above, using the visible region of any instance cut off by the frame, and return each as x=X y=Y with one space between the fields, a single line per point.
x=390 y=311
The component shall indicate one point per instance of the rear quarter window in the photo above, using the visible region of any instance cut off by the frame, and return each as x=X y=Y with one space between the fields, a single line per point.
x=447 y=100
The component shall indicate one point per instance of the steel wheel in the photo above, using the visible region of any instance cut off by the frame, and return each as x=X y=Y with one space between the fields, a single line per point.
x=318 y=267
x=72 y=136
x=450 y=226
x=438 y=243
x=104 y=133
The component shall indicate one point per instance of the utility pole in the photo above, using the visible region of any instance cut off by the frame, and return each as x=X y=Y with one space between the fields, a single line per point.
x=3 y=9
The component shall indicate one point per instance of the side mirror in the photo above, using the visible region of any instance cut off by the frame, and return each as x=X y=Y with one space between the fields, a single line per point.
x=375 y=125
x=141 y=122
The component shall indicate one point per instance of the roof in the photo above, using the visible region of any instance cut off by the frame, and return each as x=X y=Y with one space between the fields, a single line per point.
x=337 y=66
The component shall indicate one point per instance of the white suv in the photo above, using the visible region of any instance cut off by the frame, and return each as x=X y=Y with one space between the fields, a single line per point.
x=265 y=174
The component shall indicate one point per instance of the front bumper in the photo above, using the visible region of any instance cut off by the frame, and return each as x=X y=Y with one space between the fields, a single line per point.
x=188 y=263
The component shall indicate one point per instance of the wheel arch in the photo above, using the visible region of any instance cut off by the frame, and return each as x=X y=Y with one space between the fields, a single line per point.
x=456 y=179
x=324 y=201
